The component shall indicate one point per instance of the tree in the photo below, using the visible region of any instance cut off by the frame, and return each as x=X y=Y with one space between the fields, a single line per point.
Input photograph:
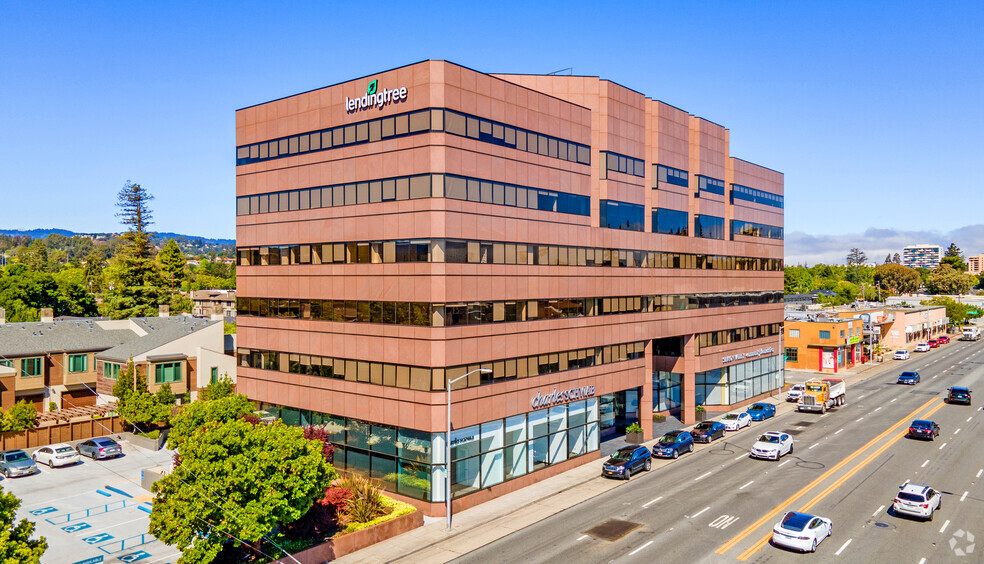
x=124 y=383
x=21 y=416
x=16 y=545
x=855 y=266
x=24 y=292
x=954 y=258
x=208 y=409
x=141 y=408
x=35 y=257
x=133 y=201
x=897 y=278
x=956 y=311
x=856 y=257
x=172 y=262
x=897 y=259
x=888 y=258
x=237 y=482
x=133 y=277
x=221 y=388
x=93 y=272
x=165 y=396
x=947 y=280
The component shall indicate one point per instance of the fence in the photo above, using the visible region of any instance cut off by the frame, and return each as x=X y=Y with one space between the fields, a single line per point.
x=61 y=433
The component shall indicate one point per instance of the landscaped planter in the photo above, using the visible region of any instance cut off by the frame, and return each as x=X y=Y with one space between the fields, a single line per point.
x=633 y=438
x=348 y=543
x=700 y=415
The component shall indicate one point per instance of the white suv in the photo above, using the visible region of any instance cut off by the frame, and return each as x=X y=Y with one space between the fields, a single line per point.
x=795 y=392
x=918 y=501
x=901 y=354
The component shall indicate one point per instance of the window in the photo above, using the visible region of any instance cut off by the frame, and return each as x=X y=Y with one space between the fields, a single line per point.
x=215 y=375
x=167 y=373
x=708 y=227
x=669 y=175
x=739 y=192
x=31 y=367
x=792 y=354
x=621 y=215
x=620 y=163
x=842 y=333
x=750 y=229
x=111 y=371
x=824 y=334
x=7 y=363
x=78 y=363
x=671 y=222
x=706 y=184
x=666 y=390
x=794 y=333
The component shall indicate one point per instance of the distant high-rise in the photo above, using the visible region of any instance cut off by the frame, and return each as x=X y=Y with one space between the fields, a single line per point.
x=925 y=256
x=975 y=264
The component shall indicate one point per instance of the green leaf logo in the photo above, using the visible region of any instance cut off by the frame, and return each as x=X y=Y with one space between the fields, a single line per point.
x=372 y=87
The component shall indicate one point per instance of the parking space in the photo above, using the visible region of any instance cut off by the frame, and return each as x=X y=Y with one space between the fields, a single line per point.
x=94 y=511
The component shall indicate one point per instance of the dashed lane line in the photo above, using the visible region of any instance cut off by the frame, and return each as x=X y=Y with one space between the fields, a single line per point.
x=925 y=463
x=785 y=462
x=838 y=431
x=945 y=525
x=843 y=546
x=699 y=512
x=964 y=496
x=640 y=548
x=746 y=485
x=969 y=418
x=652 y=502
x=582 y=537
x=979 y=472
x=941 y=446
x=742 y=456
x=858 y=420
x=813 y=445
x=957 y=431
x=702 y=476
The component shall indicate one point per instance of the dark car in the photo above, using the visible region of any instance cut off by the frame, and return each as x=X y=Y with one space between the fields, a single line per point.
x=708 y=431
x=625 y=461
x=911 y=378
x=761 y=411
x=921 y=429
x=958 y=394
x=673 y=444
x=100 y=448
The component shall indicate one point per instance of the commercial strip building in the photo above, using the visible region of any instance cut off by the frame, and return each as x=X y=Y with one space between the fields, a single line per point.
x=922 y=256
x=828 y=345
x=75 y=362
x=598 y=252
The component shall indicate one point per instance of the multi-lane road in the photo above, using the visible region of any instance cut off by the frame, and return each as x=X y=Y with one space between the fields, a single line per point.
x=719 y=505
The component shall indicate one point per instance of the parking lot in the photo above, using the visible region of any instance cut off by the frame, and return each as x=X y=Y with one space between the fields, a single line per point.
x=94 y=511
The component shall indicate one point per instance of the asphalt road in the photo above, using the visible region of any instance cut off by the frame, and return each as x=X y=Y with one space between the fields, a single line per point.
x=719 y=505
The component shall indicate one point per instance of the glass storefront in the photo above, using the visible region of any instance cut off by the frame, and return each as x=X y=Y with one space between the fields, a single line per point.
x=617 y=411
x=738 y=382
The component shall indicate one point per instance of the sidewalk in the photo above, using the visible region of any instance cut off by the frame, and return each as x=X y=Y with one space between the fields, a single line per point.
x=493 y=520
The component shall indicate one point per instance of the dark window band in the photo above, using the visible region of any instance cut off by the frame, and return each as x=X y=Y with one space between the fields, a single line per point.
x=621 y=215
x=749 y=229
x=671 y=222
x=709 y=185
x=739 y=192
x=709 y=227
x=728 y=336
x=616 y=162
x=663 y=174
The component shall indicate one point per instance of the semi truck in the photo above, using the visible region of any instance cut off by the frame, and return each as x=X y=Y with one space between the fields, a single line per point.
x=971 y=333
x=821 y=395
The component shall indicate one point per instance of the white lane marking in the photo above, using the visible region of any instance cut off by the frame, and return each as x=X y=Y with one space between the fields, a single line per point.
x=742 y=456
x=746 y=485
x=877 y=408
x=165 y=557
x=957 y=431
x=702 y=476
x=945 y=525
x=861 y=396
x=814 y=444
x=783 y=464
x=969 y=418
x=942 y=445
x=582 y=537
x=843 y=546
x=904 y=484
x=877 y=511
x=723 y=522
x=652 y=502
x=979 y=472
x=838 y=431
x=964 y=496
x=640 y=548
x=699 y=512
x=925 y=463
x=113 y=525
x=858 y=420
x=893 y=400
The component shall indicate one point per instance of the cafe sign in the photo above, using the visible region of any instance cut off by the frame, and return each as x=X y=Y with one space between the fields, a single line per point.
x=557 y=396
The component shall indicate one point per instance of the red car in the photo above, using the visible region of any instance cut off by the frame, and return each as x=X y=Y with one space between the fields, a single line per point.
x=943 y=340
x=933 y=343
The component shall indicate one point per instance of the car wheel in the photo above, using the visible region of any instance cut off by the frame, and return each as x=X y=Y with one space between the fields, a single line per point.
x=648 y=466
x=791 y=449
x=6 y=473
x=931 y=514
x=676 y=453
x=814 y=549
x=628 y=473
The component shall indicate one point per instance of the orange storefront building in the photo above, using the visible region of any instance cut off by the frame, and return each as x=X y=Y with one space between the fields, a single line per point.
x=823 y=346
x=599 y=253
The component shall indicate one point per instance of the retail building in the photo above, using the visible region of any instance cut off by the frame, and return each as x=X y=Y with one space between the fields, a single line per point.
x=600 y=253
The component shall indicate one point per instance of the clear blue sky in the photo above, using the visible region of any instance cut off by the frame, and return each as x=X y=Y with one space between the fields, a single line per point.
x=872 y=110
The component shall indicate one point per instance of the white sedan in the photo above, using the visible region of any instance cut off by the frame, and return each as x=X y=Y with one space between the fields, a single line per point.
x=922 y=347
x=735 y=421
x=902 y=354
x=772 y=446
x=801 y=531
x=56 y=455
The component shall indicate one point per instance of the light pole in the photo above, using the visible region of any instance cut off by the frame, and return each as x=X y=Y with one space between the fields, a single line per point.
x=447 y=451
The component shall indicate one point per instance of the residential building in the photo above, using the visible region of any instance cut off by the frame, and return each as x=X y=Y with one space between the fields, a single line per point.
x=600 y=254
x=922 y=256
x=214 y=302
x=975 y=264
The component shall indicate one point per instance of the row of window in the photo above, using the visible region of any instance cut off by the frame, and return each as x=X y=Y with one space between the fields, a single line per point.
x=671 y=222
x=710 y=185
x=477 y=313
x=666 y=390
x=164 y=373
x=663 y=174
x=739 y=192
x=750 y=229
x=621 y=215
x=728 y=336
x=736 y=383
x=414 y=188
x=487 y=252
x=433 y=379
x=621 y=163
x=411 y=123
x=29 y=366
x=709 y=227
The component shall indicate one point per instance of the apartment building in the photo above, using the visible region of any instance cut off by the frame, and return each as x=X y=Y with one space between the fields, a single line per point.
x=922 y=256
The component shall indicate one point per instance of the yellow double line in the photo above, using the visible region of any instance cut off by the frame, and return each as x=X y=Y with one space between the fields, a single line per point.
x=816 y=482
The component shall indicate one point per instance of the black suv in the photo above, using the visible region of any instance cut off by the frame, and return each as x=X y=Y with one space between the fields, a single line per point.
x=958 y=394
x=626 y=460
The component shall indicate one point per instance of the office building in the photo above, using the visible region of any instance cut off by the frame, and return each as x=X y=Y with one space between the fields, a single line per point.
x=922 y=256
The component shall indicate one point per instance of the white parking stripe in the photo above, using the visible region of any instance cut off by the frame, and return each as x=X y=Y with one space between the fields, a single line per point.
x=88 y=531
x=640 y=548
x=945 y=525
x=746 y=485
x=877 y=511
x=843 y=546
x=925 y=463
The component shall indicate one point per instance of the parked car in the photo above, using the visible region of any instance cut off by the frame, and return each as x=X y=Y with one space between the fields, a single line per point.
x=761 y=411
x=100 y=448
x=795 y=392
x=16 y=463
x=908 y=377
x=917 y=501
x=901 y=354
x=772 y=445
x=943 y=340
x=61 y=454
x=933 y=343
x=673 y=444
x=922 y=347
x=801 y=531
x=735 y=421
x=922 y=429
x=624 y=461
x=958 y=394
x=707 y=431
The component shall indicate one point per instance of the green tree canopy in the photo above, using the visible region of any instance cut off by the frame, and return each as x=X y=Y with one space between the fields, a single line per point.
x=956 y=311
x=954 y=258
x=947 y=280
x=23 y=293
x=133 y=277
x=897 y=278
x=16 y=546
x=21 y=416
x=237 y=480
x=208 y=409
x=124 y=382
x=172 y=262
x=221 y=388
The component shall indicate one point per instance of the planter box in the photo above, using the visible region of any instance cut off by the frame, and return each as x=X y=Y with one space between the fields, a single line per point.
x=633 y=438
x=700 y=415
x=347 y=544
x=147 y=443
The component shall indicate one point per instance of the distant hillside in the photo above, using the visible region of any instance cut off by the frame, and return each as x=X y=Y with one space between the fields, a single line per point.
x=163 y=235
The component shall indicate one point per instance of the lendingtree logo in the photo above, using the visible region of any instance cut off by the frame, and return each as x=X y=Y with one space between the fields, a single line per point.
x=965 y=540
x=375 y=97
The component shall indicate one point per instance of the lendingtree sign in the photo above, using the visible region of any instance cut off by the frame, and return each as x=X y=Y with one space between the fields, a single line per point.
x=556 y=396
x=374 y=97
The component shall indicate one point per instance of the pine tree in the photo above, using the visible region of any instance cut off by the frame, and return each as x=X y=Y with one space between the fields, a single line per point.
x=172 y=262
x=888 y=258
x=124 y=383
x=133 y=276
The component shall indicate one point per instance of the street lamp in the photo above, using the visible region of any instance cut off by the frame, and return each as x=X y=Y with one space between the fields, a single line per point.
x=447 y=450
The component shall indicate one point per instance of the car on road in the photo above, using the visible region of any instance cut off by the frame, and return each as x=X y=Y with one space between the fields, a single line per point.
x=958 y=394
x=923 y=429
x=794 y=393
x=707 y=431
x=908 y=377
x=626 y=460
x=943 y=340
x=801 y=531
x=772 y=445
x=673 y=444
x=16 y=463
x=933 y=343
x=901 y=354
x=61 y=454
x=735 y=421
x=100 y=448
x=917 y=501
x=922 y=347
x=761 y=411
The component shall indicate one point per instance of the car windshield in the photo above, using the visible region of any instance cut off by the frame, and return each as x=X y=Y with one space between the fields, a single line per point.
x=731 y=416
x=908 y=375
x=756 y=407
x=65 y=449
x=668 y=439
x=621 y=455
x=814 y=388
x=796 y=521
x=769 y=439
x=798 y=387
x=702 y=427
x=16 y=456
x=911 y=497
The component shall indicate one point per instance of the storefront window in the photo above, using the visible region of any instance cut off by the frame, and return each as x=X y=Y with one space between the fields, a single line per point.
x=538 y=423
x=514 y=461
x=414 y=445
x=492 y=468
x=576 y=441
x=666 y=390
x=383 y=439
x=465 y=476
x=558 y=447
x=539 y=455
x=465 y=442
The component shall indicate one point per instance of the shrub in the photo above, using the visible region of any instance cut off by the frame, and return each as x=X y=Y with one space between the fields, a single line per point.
x=320 y=434
x=336 y=497
x=633 y=428
x=395 y=508
x=700 y=409
x=52 y=406
x=366 y=501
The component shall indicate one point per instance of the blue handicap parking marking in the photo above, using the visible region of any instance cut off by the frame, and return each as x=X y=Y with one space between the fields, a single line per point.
x=43 y=511
x=134 y=556
x=96 y=539
x=93 y=560
x=76 y=527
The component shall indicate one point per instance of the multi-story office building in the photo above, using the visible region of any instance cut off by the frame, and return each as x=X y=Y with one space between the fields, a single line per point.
x=598 y=252
x=975 y=264
x=922 y=256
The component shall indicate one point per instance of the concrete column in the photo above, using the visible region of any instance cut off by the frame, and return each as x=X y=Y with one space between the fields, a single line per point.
x=646 y=395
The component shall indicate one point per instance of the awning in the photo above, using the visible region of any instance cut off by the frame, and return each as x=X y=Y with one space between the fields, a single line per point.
x=167 y=357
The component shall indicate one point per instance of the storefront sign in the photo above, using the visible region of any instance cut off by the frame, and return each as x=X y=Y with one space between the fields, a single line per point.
x=854 y=340
x=461 y=440
x=743 y=356
x=375 y=98
x=562 y=397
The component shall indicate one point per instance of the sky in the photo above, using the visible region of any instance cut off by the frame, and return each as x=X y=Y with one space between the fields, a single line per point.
x=872 y=110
